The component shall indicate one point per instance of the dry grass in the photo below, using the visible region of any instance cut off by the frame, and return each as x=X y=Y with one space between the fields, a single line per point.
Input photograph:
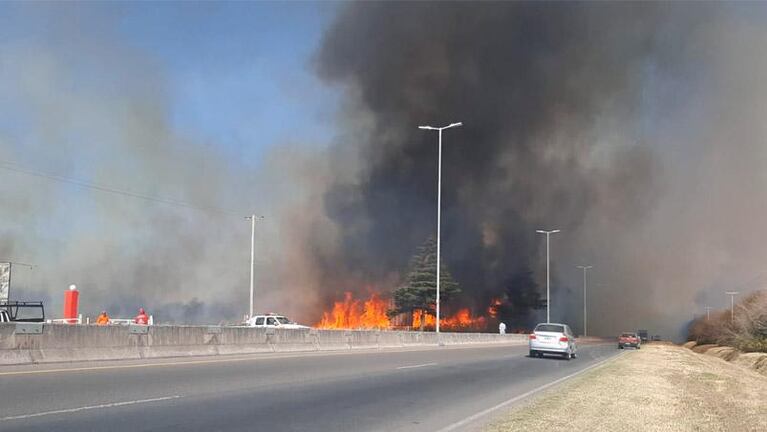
x=659 y=388
x=747 y=332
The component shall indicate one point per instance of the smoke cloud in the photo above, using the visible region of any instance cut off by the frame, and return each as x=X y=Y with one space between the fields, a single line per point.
x=633 y=127
x=81 y=106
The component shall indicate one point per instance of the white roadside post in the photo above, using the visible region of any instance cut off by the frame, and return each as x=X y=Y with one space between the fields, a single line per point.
x=439 y=200
x=584 y=268
x=548 y=273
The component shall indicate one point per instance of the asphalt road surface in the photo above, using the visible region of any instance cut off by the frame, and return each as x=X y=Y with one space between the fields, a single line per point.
x=404 y=390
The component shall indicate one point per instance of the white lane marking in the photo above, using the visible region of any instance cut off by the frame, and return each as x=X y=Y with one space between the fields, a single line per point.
x=91 y=407
x=483 y=413
x=417 y=366
x=262 y=357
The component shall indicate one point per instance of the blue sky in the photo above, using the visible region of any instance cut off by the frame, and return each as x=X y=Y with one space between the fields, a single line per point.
x=174 y=100
x=238 y=75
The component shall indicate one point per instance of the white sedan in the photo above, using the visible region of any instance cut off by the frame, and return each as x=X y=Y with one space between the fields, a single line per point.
x=552 y=338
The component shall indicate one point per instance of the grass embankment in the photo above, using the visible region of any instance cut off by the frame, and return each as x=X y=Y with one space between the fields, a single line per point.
x=658 y=388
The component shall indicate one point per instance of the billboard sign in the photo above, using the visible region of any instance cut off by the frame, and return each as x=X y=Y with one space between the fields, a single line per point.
x=5 y=281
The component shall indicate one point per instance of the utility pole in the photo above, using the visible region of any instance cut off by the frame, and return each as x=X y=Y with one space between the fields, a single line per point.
x=439 y=201
x=252 y=219
x=732 y=295
x=584 y=268
x=548 y=274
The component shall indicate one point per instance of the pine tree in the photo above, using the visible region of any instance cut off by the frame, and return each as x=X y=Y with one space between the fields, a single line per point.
x=419 y=293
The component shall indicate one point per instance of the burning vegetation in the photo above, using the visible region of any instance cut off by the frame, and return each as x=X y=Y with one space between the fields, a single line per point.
x=374 y=313
x=357 y=314
x=413 y=305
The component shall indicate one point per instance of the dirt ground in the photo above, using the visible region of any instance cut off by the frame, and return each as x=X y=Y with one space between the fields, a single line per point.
x=657 y=388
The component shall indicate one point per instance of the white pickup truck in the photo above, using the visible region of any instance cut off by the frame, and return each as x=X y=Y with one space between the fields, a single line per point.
x=273 y=321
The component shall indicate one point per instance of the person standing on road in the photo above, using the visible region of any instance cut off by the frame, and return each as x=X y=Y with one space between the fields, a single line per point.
x=103 y=318
x=502 y=328
x=142 y=317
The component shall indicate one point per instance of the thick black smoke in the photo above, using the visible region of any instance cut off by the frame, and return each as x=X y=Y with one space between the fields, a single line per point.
x=555 y=105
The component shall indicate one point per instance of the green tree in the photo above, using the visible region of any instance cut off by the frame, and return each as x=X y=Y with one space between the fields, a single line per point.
x=419 y=293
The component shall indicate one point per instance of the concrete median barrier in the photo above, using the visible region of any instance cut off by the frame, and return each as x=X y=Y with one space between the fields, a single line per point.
x=68 y=343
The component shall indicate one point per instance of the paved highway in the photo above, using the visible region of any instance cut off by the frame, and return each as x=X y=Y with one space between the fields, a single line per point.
x=403 y=390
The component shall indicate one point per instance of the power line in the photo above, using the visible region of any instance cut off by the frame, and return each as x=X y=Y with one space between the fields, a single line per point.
x=10 y=166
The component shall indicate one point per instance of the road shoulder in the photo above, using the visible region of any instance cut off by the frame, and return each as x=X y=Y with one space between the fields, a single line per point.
x=660 y=387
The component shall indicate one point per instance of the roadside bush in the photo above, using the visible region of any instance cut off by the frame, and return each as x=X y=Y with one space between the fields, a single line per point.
x=747 y=332
x=752 y=345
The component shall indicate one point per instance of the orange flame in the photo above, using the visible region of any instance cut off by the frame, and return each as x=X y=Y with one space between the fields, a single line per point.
x=356 y=314
x=429 y=320
x=492 y=310
x=462 y=320
x=353 y=313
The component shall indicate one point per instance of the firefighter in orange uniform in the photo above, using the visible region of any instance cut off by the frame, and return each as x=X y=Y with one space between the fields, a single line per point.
x=103 y=319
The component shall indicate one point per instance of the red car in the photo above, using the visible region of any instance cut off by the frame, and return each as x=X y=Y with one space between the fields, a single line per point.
x=629 y=339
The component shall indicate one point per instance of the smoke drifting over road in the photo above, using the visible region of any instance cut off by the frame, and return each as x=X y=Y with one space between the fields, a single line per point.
x=635 y=128
x=603 y=120
x=80 y=102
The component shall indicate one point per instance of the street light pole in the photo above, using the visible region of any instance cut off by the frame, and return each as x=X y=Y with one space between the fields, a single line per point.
x=708 y=312
x=548 y=273
x=252 y=219
x=584 y=268
x=439 y=201
x=732 y=295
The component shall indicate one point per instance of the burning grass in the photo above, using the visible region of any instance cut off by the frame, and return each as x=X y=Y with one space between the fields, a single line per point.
x=351 y=313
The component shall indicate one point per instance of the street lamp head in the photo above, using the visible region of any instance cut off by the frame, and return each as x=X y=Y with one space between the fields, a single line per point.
x=427 y=127
x=732 y=292
x=455 y=125
x=547 y=232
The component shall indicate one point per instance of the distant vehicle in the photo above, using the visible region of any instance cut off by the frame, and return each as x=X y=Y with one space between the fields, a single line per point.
x=273 y=321
x=656 y=338
x=642 y=335
x=16 y=311
x=551 y=338
x=629 y=339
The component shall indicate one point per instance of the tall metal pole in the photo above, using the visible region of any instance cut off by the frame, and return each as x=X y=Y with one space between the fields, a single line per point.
x=585 y=321
x=548 y=274
x=252 y=261
x=708 y=312
x=439 y=206
x=548 y=282
x=252 y=258
x=732 y=295
x=439 y=217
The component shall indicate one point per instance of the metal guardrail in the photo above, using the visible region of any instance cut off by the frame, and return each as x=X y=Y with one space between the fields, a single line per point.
x=128 y=321
x=78 y=320
x=112 y=321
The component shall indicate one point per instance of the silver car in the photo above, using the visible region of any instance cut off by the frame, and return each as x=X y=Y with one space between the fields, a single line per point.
x=552 y=338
